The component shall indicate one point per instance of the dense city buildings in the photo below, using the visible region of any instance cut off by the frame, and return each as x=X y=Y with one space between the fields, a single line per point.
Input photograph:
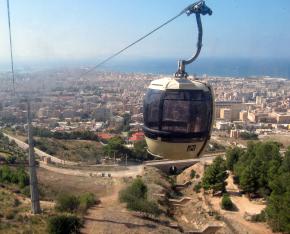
x=111 y=102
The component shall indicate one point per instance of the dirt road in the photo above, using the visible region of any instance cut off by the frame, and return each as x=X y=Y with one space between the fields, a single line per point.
x=132 y=171
x=236 y=218
x=112 y=217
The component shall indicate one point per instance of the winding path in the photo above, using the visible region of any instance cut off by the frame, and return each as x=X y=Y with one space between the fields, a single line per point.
x=132 y=171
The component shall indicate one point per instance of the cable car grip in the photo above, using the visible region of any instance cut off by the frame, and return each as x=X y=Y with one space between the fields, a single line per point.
x=198 y=8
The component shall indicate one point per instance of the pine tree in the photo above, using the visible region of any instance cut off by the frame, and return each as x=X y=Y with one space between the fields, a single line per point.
x=215 y=176
x=232 y=157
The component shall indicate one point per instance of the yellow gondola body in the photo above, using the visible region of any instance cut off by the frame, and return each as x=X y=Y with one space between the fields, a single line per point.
x=178 y=118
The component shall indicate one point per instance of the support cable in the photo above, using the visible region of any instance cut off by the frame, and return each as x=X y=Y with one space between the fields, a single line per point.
x=193 y=8
x=11 y=47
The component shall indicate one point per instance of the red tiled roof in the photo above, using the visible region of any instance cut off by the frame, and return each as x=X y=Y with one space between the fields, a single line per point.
x=105 y=136
x=138 y=136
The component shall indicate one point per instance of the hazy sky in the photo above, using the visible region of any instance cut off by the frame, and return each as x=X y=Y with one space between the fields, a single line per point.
x=78 y=29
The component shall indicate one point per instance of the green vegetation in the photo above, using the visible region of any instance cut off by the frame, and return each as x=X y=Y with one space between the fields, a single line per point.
x=73 y=204
x=135 y=196
x=72 y=208
x=232 y=157
x=214 y=146
x=72 y=150
x=15 y=176
x=262 y=171
x=115 y=146
x=197 y=187
x=10 y=153
x=257 y=166
x=278 y=209
x=215 y=176
x=192 y=174
x=83 y=135
x=140 y=150
x=67 y=203
x=259 y=217
x=248 y=136
x=227 y=203
x=64 y=224
x=15 y=218
x=87 y=200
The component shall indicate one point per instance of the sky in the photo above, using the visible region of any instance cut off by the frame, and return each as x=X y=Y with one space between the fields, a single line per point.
x=50 y=30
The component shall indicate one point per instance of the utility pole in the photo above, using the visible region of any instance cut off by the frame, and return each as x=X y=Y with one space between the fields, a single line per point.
x=35 y=204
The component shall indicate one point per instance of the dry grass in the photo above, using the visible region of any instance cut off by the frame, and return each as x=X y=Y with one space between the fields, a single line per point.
x=15 y=215
x=53 y=183
x=72 y=150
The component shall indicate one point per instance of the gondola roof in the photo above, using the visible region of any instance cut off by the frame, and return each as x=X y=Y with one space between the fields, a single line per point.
x=177 y=84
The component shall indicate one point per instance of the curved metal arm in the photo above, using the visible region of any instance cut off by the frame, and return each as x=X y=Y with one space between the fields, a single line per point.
x=196 y=8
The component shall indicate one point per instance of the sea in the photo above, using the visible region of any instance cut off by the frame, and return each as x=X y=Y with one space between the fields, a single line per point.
x=227 y=67
x=212 y=67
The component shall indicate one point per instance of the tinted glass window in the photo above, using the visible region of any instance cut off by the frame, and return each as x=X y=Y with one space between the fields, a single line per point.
x=186 y=111
x=151 y=108
x=176 y=114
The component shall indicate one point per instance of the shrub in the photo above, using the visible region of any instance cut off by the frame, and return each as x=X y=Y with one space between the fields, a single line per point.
x=23 y=178
x=64 y=224
x=67 y=203
x=6 y=174
x=248 y=136
x=197 y=187
x=11 y=159
x=18 y=176
x=137 y=190
x=227 y=203
x=135 y=196
x=144 y=206
x=259 y=217
x=16 y=202
x=87 y=200
x=192 y=174
x=10 y=214
x=26 y=191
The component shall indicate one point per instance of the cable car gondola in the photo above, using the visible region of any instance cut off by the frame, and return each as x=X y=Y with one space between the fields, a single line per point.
x=178 y=112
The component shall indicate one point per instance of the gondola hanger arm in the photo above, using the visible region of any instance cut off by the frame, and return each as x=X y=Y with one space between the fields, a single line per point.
x=198 y=8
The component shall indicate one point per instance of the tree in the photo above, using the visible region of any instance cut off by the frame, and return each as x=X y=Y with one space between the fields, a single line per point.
x=278 y=208
x=227 y=203
x=127 y=119
x=232 y=157
x=256 y=167
x=116 y=146
x=140 y=151
x=249 y=179
x=215 y=176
